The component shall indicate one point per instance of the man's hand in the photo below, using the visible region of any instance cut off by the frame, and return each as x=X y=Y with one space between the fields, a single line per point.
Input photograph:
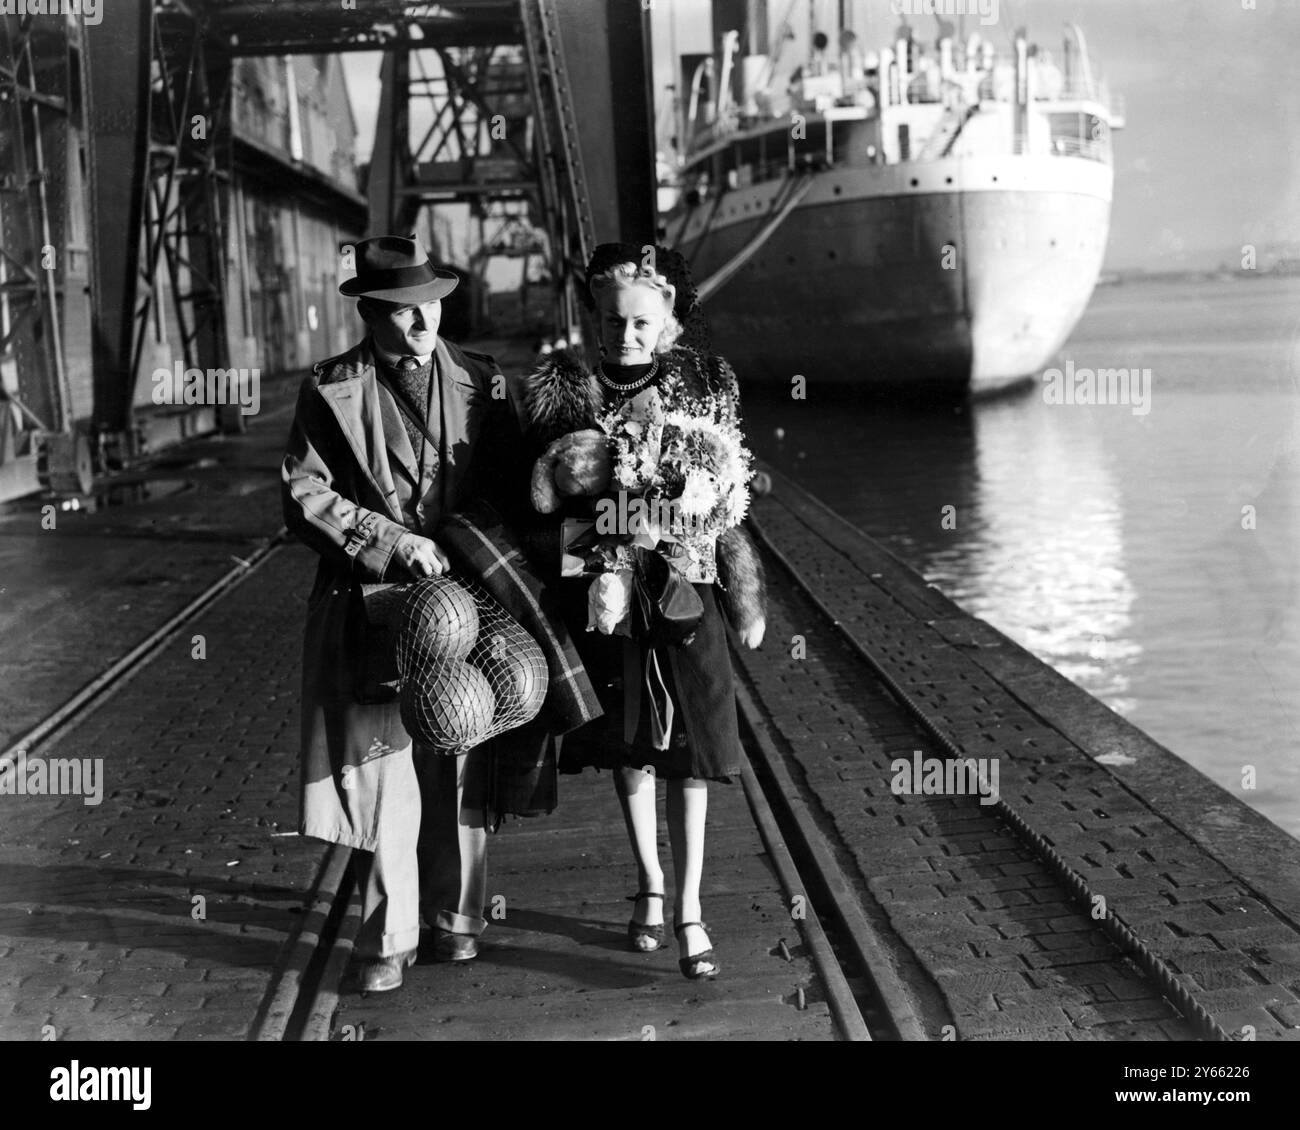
x=752 y=636
x=421 y=556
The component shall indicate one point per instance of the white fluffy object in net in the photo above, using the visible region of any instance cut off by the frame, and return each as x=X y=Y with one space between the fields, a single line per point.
x=469 y=670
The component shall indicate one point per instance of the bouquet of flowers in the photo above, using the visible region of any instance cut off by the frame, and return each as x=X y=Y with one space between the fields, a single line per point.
x=679 y=478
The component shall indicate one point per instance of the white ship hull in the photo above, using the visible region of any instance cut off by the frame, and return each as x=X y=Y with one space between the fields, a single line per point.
x=960 y=273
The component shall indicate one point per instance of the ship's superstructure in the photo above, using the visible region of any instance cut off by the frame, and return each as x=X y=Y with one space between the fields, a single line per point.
x=931 y=214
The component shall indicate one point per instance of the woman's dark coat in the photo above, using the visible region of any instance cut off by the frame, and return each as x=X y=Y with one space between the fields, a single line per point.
x=563 y=396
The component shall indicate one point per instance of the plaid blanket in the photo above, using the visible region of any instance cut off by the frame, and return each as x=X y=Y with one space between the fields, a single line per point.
x=480 y=545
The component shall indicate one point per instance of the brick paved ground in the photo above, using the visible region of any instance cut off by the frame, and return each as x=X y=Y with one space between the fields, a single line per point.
x=100 y=905
x=983 y=902
x=1013 y=958
x=75 y=598
x=555 y=966
x=159 y=912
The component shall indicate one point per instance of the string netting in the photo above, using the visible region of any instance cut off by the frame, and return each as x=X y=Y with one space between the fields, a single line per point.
x=469 y=671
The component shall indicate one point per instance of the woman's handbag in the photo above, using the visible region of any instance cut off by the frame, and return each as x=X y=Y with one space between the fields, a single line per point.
x=375 y=677
x=666 y=608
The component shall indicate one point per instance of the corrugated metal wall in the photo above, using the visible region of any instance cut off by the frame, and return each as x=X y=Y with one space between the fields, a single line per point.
x=283 y=264
x=286 y=312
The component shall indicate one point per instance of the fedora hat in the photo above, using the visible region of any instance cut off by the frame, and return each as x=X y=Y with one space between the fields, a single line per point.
x=395 y=269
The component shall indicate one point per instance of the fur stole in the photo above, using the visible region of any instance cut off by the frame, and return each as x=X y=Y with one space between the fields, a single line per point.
x=562 y=396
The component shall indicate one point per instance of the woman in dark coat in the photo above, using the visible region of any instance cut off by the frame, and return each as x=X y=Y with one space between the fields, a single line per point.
x=670 y=708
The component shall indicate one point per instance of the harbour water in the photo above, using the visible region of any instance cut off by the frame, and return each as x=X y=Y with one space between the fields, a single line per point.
x=1152 y=556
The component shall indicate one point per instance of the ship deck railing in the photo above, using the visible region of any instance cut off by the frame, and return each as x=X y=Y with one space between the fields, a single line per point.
x=1093 y=150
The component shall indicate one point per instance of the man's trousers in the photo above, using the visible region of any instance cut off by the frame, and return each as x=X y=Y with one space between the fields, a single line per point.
x=431 y=857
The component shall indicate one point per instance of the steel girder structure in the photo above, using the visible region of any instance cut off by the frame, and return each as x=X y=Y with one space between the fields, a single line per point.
x=40 y=110
x=154 y=67
x=598 y=162
x=391 y=166
x=190 y=160
x=454 y=127
x=605 y=41
x=159 y=85
x=506 y=133
x=290 y=27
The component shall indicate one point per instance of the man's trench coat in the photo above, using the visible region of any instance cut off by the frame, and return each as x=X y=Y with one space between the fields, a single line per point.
x=340 y=499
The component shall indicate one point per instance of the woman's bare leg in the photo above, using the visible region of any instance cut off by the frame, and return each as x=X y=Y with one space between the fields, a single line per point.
x=636 y=794
x=688 y=805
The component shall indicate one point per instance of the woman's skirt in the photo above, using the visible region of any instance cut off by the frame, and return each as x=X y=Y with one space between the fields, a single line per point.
x=690 y=689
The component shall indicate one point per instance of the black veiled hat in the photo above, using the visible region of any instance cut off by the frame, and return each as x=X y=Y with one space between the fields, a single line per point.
x=669 y=263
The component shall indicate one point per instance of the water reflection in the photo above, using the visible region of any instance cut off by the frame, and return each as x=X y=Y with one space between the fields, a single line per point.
x=1034 y=540
x=889 y=470
x=1154 y=560
x=1043 y=555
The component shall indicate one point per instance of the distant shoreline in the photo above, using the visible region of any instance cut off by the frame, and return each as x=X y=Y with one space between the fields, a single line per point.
x=1287 y=270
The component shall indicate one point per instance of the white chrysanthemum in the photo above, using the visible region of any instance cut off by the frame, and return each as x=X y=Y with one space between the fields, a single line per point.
x=699 y=495
x=625 y=471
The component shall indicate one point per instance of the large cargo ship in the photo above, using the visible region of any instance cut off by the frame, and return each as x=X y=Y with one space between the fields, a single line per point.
x=930 y=215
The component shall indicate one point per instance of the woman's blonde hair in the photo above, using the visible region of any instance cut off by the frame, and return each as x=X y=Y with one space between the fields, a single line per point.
x=622 y=275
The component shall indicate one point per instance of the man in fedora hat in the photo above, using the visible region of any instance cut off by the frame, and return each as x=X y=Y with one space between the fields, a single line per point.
x=387 y=438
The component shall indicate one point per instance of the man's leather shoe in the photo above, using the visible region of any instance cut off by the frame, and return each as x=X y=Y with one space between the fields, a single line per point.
x=454 y=947
x=382 y=975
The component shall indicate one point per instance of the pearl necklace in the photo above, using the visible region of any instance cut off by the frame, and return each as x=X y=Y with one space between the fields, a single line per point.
x=640 y=383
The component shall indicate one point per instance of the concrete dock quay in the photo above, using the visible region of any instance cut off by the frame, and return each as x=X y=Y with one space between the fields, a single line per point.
x=939 y=838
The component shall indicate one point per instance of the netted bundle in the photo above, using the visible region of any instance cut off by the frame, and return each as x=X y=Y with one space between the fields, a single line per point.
x=469 y=670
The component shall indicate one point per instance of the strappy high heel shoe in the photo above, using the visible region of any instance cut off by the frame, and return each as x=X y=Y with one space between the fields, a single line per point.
x=640 y=937
x=701 y=966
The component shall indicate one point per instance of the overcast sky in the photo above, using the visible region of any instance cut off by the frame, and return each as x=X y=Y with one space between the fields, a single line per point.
x=1210 y=158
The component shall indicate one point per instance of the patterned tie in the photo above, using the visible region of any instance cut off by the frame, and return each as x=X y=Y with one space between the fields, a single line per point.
x=408 y=364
